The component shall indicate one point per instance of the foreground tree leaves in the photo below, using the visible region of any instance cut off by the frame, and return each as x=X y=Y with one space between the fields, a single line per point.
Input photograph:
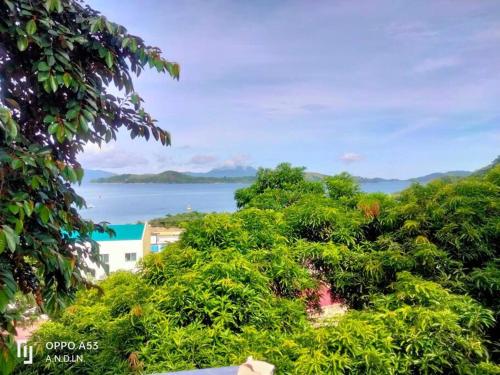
x=58 y=61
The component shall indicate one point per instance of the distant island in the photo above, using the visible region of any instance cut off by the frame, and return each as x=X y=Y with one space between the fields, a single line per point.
x=171 y=177
x=245 y=174
x=211 y=177
x=313 y=176
x=233 y=171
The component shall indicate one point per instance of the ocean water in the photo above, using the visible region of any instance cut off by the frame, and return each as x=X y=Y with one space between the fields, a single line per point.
x=129 y=203
x=385 y=186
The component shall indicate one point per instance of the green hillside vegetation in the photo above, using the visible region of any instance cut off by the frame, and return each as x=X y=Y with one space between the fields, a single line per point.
x=419 y=272
x=490 y=166
x=170 y=177
x=434 y=176
x=314 y=176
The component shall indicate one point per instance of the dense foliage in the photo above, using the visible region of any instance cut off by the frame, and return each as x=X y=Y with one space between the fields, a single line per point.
x=418 y=270
x=61 y=64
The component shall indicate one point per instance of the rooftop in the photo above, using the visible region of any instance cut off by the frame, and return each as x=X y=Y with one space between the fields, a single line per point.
x=123 y=232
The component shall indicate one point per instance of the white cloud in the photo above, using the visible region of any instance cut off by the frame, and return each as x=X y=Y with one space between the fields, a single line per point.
x=237 y=160
x=202 y=159
x=350 y=157
x=107 y=156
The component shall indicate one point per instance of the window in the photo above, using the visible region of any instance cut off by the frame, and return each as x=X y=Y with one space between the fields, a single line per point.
x=105 y=263
x=130 y=257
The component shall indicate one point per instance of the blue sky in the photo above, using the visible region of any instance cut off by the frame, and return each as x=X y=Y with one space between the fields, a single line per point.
x=379 y=88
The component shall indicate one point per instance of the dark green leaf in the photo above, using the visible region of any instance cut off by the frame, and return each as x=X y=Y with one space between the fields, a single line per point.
x=43 y=66
x=53 y=83
x=44 y=214
x=3 y=241
x=83 y=124
x=109 y=59
x=67 y=79
x=31 y=27
x=22 y=43
x=11 y=237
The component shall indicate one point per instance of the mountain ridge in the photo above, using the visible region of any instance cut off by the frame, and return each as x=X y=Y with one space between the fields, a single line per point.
x=169 y=177
x=247 y=174
x=173 y=177
x=93 y=174
x=237 y=171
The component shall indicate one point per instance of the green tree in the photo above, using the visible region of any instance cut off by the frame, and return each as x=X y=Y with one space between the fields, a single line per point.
x=277 y=188
x=342 y=187
x=60 y=61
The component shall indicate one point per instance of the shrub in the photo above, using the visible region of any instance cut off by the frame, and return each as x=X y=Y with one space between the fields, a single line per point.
x=277 y=188
x=318 y=219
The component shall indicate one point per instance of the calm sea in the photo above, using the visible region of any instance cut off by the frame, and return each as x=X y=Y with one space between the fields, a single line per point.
x=129 y=203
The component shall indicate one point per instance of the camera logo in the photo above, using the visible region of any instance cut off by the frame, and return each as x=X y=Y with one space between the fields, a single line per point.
x=25 y=351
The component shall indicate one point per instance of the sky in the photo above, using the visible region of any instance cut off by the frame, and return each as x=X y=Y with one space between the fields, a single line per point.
x=393 y=89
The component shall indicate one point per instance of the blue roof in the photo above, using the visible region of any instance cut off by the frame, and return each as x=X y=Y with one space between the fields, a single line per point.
x=123 y=232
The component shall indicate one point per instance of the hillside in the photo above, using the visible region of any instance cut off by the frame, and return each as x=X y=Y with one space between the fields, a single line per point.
x=238 y=171
x=434 y=176
x=94 y=174
x=483 y=170
x=169 y=177
x=173 y=177
x=312 y=176
x=247 y=175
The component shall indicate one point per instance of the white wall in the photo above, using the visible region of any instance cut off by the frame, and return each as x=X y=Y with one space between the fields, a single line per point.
x=116 y=251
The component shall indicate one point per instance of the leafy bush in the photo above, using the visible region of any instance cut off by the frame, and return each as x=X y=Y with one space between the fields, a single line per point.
x=460 y=217
x=278 y=188
x=342 y=187
x=318 y=219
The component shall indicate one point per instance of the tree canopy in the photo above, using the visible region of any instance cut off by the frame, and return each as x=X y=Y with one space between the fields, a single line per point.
x=61 y=63
x=422 y=296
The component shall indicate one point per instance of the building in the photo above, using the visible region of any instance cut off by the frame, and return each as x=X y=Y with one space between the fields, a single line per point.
x=130 y=244
x=122 y=251
x=160 y=237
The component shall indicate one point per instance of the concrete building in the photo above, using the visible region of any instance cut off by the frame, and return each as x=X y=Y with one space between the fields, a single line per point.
x=130 y=244
x=160 y=237
x=122 y=251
